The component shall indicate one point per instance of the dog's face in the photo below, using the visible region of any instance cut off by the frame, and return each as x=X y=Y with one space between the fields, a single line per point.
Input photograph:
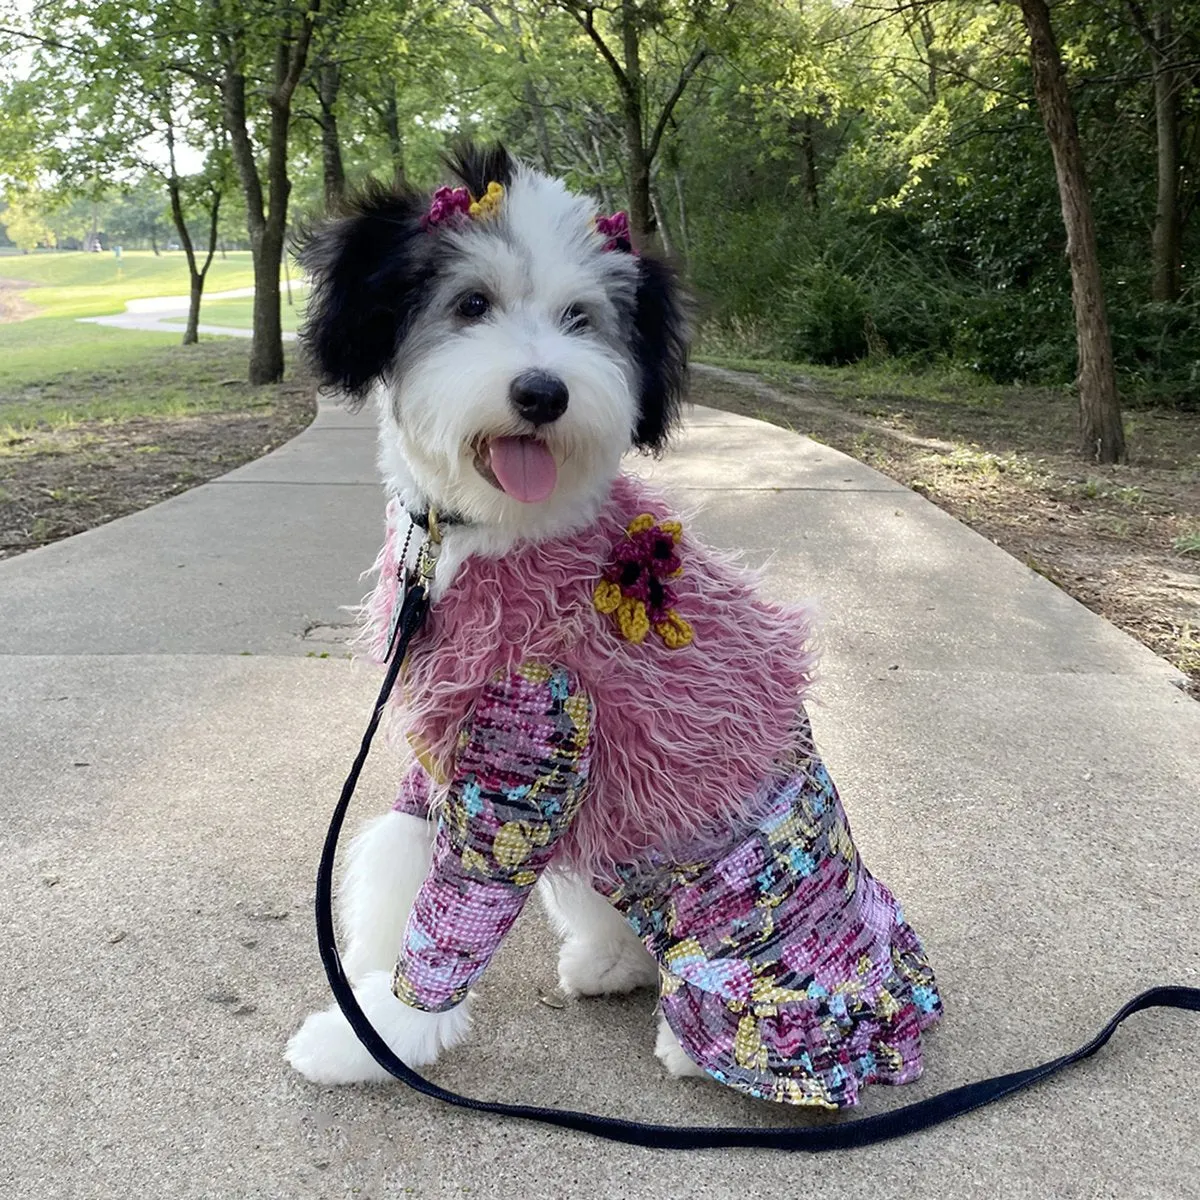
x=515 y=354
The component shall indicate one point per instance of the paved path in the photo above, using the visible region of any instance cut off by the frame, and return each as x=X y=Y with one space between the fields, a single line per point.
x=1025 y=775
x=161 y=314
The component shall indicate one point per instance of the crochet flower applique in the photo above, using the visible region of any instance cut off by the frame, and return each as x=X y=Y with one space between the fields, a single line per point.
x=453 y=206
x=635 y=590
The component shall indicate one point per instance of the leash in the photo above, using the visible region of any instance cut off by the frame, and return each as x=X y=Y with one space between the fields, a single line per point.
x=863 y=1131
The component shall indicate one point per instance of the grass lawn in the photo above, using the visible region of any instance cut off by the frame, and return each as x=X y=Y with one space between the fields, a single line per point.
x=51 y=354
x=73 y=283
x=97 y=422
x=238 y=314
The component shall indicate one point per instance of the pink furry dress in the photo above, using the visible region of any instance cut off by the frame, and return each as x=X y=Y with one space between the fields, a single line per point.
x=621 y=703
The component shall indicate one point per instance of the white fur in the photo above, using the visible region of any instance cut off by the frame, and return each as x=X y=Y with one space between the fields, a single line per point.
x=448 y=389
x=673 y=1056
x=326 y=1049
x=385 y=867
x=600 y=953
x=451 y=383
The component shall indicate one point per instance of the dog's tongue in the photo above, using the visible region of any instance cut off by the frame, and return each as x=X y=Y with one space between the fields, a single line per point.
x=524 y=468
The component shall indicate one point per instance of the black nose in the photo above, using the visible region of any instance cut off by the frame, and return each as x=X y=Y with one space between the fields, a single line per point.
x=538 y=397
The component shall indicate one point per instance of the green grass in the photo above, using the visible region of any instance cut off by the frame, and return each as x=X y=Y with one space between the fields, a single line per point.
x=72 y=283
x=238 y=314
x=138 y=378
x=58 y=349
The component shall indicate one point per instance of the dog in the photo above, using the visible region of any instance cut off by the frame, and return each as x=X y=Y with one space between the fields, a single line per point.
x=599 y=706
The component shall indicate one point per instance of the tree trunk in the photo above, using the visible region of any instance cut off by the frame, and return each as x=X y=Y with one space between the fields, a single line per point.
x=660 y=221
x=1102 y=436
x=329 y=82
x=808 y=149
x=1168 y=231
x=266 y=224
x=154 y=243
x=266 y=351
x=196 y=275
x=641 y=215
x=391 y=125
x=538 y=116
x=682 y=209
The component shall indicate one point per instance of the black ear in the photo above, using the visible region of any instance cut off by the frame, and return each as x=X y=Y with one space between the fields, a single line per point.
x=660 y=346
x=370 y=270
x=477 y=166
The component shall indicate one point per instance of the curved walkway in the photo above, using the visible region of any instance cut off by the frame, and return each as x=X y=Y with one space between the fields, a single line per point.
x=178 y=713
x=157 y=314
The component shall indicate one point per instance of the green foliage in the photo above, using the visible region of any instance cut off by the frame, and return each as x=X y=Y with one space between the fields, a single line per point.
x=867 y=181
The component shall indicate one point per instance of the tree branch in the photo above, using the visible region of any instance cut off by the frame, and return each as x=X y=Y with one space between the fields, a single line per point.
x=700 y=53
x=588 y=25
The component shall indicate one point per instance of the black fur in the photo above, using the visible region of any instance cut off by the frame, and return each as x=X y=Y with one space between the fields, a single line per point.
x=477 y=166
x=370 y=269
x=660 y=344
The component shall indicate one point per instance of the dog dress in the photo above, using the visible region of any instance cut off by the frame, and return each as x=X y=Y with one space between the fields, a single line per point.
x=621 y=703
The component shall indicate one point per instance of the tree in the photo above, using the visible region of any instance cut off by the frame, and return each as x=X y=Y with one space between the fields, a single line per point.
x=272 y=52
x=1159 y=34
x=644 y=128
x=25 y=219
x=113 y=102
x=1102 y=435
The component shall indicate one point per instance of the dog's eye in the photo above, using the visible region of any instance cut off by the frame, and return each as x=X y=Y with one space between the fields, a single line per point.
x=575 y=319
x=473 y=306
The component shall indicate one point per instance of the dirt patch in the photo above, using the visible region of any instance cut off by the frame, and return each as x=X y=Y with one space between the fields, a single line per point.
x=61 y=481
x=14 y=306
x=1123 y=540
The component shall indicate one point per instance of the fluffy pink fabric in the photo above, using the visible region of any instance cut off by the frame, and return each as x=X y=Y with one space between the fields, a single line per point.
x=685 y=741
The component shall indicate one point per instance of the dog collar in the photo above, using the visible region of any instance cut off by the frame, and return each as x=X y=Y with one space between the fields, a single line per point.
x=431 y=520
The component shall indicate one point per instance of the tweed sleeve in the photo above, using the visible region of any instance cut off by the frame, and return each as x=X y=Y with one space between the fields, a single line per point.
x=519 y=778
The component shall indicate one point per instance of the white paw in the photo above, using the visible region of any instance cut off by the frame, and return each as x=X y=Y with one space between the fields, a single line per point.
x=326 y=1049
x=602 y=968
x=673 y=1056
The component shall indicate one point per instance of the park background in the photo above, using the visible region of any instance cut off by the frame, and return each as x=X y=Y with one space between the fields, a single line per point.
x=873 y=202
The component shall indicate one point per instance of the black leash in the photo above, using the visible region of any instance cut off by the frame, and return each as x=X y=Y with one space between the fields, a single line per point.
x=864 y=1131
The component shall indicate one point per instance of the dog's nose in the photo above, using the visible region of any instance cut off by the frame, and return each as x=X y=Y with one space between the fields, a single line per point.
x=539 y=398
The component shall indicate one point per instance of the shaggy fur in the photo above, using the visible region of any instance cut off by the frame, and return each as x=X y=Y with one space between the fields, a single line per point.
x=664 y=776
x=436 y=323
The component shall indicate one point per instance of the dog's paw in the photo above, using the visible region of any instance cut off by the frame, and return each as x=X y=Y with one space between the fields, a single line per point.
x=673 y=1056
x=591 y=968
x=325 y=1049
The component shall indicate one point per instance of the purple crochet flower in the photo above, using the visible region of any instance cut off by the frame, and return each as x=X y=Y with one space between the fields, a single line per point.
x=449 y=206
x=616 y=230
x=643 y=564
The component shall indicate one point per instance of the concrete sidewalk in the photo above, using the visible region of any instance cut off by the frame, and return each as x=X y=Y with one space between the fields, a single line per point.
x=1023 y=774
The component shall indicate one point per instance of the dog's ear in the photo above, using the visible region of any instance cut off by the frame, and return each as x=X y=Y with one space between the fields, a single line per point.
x=477 y=166
x=370 y=268
x=660 y=345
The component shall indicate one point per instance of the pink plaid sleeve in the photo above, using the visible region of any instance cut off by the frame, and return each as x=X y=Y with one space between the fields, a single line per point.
x=518 y=782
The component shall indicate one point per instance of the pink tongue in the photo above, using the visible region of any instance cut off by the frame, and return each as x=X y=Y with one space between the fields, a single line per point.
x=525 y=468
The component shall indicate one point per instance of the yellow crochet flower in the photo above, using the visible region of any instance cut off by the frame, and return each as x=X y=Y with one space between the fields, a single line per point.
x=674 y=631
x=632 y=620
x=488 y=205
x=607 y=596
